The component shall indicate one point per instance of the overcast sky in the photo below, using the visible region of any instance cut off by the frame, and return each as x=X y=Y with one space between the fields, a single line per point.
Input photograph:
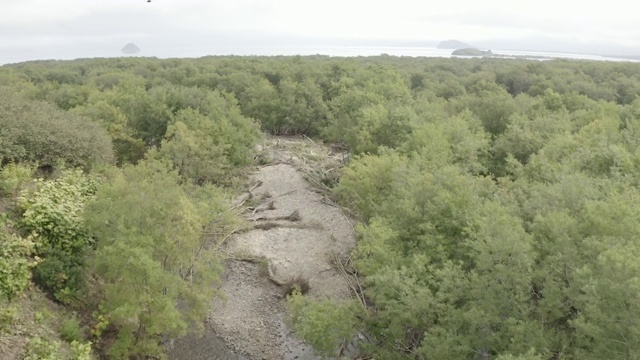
x=30 y=25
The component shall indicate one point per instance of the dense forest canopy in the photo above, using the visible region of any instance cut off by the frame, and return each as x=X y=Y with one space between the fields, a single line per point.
x=498 y=200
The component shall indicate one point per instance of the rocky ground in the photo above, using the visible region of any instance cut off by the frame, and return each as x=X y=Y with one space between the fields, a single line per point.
x=297 y=230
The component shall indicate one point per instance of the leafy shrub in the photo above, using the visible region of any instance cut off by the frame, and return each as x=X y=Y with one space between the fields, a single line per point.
x=42 y=349
x=80 y=351
x=13 y=177
x=8 y=316
x=52 y=216
x=60 y=273
x=324 y=324
x=70 y=330
x=15 y=262
x=297 y=284
x=52 y=210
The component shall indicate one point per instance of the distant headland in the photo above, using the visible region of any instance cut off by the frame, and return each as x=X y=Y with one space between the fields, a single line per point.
x=463 y=49
x=454 y=44
x=471 y=52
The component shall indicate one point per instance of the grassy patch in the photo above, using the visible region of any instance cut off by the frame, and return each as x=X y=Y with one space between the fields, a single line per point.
x=297 y=284
x=33 y=327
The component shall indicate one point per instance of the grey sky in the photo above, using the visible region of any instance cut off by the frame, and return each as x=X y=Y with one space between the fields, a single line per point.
x=49 y=23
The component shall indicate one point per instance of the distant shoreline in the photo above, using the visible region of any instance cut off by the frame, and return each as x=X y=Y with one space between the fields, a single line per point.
x=627 y=57
x=9 y=57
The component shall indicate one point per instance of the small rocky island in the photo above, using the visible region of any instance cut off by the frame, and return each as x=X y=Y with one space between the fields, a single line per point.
x=130 y=48
x=471 y=52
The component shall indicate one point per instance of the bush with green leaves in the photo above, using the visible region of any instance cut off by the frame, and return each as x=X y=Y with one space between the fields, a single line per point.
x=15 y=261
x=80 y=350
x=52 y=217
x=9 y=314
x=39 y=348
x=324 y=324
x=13 y=177
x=71 y=331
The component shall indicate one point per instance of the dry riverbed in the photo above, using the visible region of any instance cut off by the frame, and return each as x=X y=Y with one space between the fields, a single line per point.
x=298 y=231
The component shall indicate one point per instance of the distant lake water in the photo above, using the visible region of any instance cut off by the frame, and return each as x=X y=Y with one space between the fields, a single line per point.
x=14 y=56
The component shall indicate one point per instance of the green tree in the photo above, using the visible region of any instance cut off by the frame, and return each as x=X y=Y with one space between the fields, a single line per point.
x=324 y=324
x=262 y=102
x=303 y=108
x=368 y=181
x=493 y=106
x=35 y=131
x=525 y=136
x=153 y=254
x=146 y=112
x=459 y=139
x=127 y=148
x=207 y=148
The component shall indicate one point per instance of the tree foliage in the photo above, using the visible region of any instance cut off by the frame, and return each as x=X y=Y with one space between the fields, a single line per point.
x=322 y=323
x=206 y=148
x=152 y=256
x=498 y=198
x=39 y=132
